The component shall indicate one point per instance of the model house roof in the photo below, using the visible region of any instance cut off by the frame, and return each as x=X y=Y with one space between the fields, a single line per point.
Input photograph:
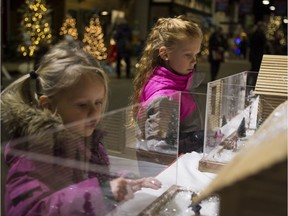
x=267 y=147
x=273 y=76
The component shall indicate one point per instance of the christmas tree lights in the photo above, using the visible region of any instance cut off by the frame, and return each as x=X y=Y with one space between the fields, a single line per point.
x=94 y=39
x=273 y=27
x=69 y=29
x=35 y=28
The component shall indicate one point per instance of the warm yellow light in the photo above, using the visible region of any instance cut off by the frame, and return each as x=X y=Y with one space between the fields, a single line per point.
x=43 y=8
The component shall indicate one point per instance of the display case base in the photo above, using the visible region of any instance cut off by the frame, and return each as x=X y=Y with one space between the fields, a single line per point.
x=210 y=166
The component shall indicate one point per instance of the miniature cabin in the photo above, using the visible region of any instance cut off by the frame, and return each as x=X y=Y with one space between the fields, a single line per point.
x=272 y=82
x=255 y=181
x=219 y=102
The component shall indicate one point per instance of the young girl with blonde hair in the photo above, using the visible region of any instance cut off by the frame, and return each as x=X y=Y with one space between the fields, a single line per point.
x=165 y=68
x=57 y=164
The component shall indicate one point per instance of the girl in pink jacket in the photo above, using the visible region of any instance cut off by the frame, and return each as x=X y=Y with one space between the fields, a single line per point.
x=165 y=76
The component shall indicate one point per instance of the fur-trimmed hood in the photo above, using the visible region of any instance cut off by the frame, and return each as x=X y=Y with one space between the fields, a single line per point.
x=21 y=120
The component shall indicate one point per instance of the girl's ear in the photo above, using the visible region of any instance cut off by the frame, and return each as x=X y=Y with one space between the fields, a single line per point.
x=163 y=53
x=44 y=102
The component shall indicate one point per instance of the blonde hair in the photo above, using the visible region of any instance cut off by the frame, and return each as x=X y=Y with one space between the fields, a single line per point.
x=166 y=32
x=60 y=68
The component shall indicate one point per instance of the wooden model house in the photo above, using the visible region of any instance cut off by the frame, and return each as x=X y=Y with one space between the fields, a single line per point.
x=219 y=99
x=272 y=83
x=255 y=181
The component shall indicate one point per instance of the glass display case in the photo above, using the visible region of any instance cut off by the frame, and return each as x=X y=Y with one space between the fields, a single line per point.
x=233 y=113
x=129 y=139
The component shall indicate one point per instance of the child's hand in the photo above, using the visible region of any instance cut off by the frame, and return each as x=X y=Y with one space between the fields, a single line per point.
x=149 y=182
x=121 y=189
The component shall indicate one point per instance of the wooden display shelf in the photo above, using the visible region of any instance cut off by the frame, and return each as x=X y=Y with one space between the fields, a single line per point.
x=155 y=207
x=209 y=166
x=155 y=157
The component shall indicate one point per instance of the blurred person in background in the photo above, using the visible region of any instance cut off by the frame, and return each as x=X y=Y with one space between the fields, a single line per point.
x=217 y=49
x=123 y=38
x=257 y=43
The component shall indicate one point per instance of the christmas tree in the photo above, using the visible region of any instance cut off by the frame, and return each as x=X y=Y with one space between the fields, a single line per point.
x=224 y=120
x=241 y=131
x=35 y=27
x=94 y=39
x=68 y=29
x=275 y=34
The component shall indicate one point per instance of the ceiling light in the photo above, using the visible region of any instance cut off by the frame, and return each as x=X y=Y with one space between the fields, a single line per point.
x=272 y=8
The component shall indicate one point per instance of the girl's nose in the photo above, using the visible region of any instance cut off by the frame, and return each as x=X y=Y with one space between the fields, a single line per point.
x=193 y=62
x=94 y=111
x=194 y=59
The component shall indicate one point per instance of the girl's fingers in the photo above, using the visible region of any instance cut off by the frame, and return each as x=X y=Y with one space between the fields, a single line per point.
x=151 y=182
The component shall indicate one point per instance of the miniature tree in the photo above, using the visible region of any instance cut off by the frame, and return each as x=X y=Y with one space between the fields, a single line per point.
x=259 y=123
x=241 y=131
x=68 y=29
x=35 y=27
x=224 y=120
x=171 y=138
x=94 y=39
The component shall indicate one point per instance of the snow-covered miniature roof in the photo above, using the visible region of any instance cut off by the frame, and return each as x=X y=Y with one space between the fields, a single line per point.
x=273 y=76
x=260 y=153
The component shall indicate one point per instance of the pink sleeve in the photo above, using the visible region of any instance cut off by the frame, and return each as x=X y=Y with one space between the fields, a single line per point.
x=84 y=198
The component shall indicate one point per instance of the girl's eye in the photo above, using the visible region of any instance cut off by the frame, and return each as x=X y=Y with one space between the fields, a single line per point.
x=98 y=103
x=82 y=105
